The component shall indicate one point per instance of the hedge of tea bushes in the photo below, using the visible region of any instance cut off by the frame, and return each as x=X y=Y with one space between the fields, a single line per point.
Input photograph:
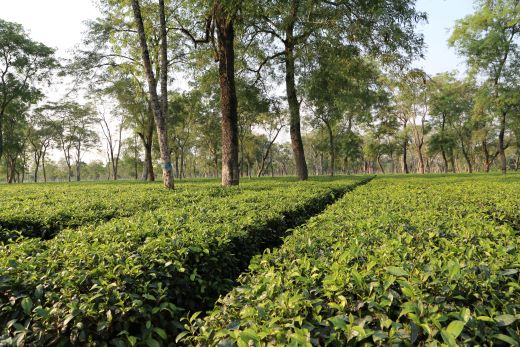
x=130 y=280
x=43 y=210
x=403 y=261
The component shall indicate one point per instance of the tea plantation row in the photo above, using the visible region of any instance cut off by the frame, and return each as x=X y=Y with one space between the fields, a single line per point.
x=130 y=280
x=398 y=262
x=43 y=210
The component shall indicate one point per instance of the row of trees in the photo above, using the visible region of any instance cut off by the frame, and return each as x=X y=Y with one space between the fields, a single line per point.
x=245 y=72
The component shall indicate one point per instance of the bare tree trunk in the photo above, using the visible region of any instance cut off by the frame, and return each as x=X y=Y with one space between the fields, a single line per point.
x=37 y=158
x=159 y=108
x=135 y=158
x=43 y=167
x=405 y=159
x=292 y=99
x=380 y=164
x=228 y=98
x=215 y=163
x=78 y=170
x=421 y=159
x=501 y=146
x=466 y=156
x=1 y=133
x=69 y=166
x=443 y=151
x=332 y=149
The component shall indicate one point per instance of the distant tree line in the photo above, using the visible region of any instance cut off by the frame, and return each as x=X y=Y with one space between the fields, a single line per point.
x=194 y=88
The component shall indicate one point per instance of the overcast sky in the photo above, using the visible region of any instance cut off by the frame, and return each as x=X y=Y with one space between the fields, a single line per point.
x=59 y=24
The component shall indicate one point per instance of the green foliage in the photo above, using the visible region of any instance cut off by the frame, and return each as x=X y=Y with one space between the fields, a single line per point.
x=25 y=62
x=400 y=261
x=131 y=279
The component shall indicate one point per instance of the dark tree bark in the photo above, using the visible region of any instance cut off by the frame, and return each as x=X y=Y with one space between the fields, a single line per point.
x=160 y=107
x=466 y=155
x=292 y=99
x=405 y=159
x=501 y=145
x=332 y=149
x=380 y=164
x=443 y=151
x=228 y=98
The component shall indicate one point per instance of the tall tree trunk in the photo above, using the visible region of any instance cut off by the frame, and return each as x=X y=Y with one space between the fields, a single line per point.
x=445 y=160
x=43 y=167
x=228 y=98
x=11 y=169
x=215 y=164
x=1 y=133
x=78 y=170
x=443 y=151
x=405 y=154
x=69 y=166
x=421 y=159
x=332 y=149
x=487 y=157
x=380 y=164
x=452 y=161
x=466 y=156
x=292 y=99
x=159 y=108
x=36 y=166
x=148 y=172
x=501 y=145
x=136 y=173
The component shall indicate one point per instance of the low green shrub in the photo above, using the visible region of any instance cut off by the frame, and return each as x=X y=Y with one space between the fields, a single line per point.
x=130 y=280
x=402 y=261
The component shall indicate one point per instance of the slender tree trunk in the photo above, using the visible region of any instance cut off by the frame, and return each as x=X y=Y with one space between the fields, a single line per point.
x=181 y=173
x=177 y=175
x=452 y=161
x=487 y=157
x=11 y=169
x=292 y=99
x=228 y=98
x=148 y=173
x=159 y=109
x=421 y=159
x=37 y=166
x=69 y=166
x=43 y=167
x=135 y=159
x=1 y=132
x=78 y=171
x=405 y=159
x=443 y=151
x=380 y=164
x=501 y=145
x=332 y=149
x=445 y=160
x=466 y=156
x=215 y=164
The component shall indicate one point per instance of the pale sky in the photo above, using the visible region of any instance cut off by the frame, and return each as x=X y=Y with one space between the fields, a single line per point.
x=59 y=24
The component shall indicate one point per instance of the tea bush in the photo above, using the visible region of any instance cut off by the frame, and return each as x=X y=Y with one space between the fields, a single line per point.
x=130 y=280
x=400 y=261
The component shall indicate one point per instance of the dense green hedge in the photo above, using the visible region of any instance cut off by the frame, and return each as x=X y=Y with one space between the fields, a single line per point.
x=44 y=210
x=131 y=279
x=400 y=261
